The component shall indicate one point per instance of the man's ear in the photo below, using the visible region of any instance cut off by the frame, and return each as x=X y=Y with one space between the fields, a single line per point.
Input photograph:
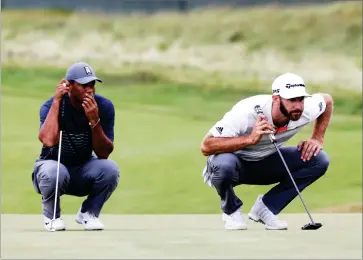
x=70 y=84
x=276 y=99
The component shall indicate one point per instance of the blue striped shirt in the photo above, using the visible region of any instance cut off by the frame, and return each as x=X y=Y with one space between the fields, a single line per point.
x=77 y=135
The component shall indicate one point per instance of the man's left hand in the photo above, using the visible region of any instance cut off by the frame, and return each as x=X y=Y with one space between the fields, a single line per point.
x=310 y=147
x=90 y=107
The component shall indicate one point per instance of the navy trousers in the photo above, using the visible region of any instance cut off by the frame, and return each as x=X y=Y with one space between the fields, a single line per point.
x=228 y=171
x=97 y=179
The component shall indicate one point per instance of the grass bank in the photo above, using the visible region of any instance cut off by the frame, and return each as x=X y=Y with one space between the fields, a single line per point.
x=143 y=87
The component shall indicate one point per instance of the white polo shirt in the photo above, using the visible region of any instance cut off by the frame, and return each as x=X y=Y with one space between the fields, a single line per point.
x=239 y=121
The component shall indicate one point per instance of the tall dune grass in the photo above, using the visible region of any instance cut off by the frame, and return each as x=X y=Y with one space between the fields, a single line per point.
x=322 y=44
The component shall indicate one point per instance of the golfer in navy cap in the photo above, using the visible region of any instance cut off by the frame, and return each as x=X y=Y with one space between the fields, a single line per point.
x=87 y=120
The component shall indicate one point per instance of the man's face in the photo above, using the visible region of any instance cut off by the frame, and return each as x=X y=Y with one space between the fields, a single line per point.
x=292 y=108
x=78 y=91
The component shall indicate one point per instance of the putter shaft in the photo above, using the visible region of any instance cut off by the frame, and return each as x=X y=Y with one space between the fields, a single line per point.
x=292 y=179
x=273 y=141
x=56 y=184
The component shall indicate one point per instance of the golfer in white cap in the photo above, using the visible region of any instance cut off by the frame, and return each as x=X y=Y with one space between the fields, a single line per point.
x=240 y=152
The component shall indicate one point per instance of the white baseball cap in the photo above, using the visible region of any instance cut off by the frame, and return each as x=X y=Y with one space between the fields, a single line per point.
x=289 y=85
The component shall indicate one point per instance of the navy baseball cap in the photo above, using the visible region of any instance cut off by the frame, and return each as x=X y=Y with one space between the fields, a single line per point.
x=82 y=73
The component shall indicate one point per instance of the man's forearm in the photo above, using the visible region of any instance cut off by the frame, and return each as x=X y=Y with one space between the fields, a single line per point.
x=101 y=144
x=49 y=132
x=322 y=122
x=214 y=145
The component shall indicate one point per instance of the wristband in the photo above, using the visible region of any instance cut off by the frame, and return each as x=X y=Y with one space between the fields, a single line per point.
x=94 y=124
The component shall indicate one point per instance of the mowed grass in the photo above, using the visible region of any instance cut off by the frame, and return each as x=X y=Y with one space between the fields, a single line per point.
x=158 y=131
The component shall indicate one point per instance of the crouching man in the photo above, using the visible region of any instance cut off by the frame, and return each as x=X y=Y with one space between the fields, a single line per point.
x=87 y=121
x=240 y=152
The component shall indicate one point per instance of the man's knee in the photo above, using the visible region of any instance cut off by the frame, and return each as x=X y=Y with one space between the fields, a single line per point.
x=322 y=162
x=109 y=170
x=46 y=176
x=224 y=167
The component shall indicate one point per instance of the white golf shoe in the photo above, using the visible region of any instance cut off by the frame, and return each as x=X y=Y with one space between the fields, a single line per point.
x=261 y=213
x=89 y=221
x=234 y=221
x=57 y=225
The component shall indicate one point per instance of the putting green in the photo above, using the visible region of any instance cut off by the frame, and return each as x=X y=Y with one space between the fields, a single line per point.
x=182 y=236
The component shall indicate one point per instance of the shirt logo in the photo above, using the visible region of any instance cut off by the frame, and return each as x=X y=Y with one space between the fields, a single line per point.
x=321 y=106
x=219 y=129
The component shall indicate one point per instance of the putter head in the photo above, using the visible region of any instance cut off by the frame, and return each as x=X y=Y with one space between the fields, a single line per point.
x=52 y=229
x=312 y=226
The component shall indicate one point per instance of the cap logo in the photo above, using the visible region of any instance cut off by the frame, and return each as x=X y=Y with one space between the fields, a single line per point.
x=276 y=91
x=288 y=86
x=88 y=70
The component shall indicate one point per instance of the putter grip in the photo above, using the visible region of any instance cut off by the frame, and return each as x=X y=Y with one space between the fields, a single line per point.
x=61 y=119
x=259 y=111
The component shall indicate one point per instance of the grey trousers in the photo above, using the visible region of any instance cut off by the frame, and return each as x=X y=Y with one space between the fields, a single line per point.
x=97 y=179
x=228 y=171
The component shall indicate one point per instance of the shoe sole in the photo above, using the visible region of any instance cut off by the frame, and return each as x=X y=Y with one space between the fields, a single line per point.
x=91 y=229
x=49 y=230
x=56 y=230
x=233 y=228
x=258 y=220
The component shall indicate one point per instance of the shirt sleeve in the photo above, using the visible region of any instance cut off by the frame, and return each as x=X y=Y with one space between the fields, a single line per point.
x=315 y=106
x=108 y=120
x=233 y=124
x=43 y=113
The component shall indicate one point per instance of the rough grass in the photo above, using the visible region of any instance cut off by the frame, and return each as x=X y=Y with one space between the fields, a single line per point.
x=345 y=208
x=214 y=46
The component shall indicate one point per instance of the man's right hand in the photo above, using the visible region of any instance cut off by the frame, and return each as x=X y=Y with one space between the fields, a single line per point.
x=261 y=127
x=49 y=132
x=62 y=88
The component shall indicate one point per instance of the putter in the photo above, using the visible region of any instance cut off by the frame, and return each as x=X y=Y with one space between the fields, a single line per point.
x=56 y=184
x=310 y=226
x=52 y=229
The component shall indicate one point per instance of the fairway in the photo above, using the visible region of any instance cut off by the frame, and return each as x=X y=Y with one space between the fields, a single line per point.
x=182 y=236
